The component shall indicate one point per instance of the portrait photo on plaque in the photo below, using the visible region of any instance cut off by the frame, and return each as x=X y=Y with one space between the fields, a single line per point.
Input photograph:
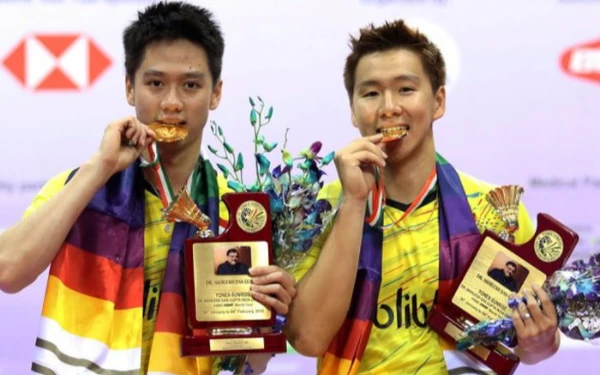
x=232 y=260
x=222 y=283
x=508 y=272
x=492 y=277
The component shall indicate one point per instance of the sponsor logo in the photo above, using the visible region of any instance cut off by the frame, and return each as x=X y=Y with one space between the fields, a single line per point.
x=407 y=312
x=582 y=61
x=63 y=62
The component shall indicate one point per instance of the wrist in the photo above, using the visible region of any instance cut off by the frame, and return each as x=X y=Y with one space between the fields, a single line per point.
x=555 y=344
x=349 y=203
x=97 y=170
x=537 y=354
x=551 y=348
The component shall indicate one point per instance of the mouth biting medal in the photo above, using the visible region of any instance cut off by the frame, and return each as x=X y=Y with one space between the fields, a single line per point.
x=393 y=133
x=168 y=133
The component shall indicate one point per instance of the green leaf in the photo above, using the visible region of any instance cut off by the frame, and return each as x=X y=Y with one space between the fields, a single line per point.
x=220 y=130
x=260 y=100
x=228 y=147
x=328 y=158
x=277 y=186
x=305 y=165
x=255 y=187
x=287 y=158
x=253 y=116
x=251 y=101
x=239 y=163
x=269 y=146
x=223 y=169
x=295 y=201
x=305 y=153
x=263 y=163
x=236 y=186
x=212 y=149
x=269 y=113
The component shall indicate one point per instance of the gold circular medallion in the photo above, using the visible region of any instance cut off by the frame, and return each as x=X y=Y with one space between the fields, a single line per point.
x=251 y=216
x=168 y=133
x=548 y=246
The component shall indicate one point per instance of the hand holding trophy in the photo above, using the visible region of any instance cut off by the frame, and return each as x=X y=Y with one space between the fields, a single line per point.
x=498 y=269
x=575 y=292
x=273 y=220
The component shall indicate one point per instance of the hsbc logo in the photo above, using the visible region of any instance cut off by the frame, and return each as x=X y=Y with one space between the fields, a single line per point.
x=56 y=62
x=582 y=61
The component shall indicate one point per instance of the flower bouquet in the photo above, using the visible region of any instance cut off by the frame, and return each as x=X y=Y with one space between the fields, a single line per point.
x=297 y=215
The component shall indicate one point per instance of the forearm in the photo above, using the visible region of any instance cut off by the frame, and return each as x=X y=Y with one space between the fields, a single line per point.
x=325 y=292
x=258 y=362
x=531 y=358
x=27 y=248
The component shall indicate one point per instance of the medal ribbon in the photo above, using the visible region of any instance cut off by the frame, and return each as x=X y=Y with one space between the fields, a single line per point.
x=161 y=181
x=377 y=197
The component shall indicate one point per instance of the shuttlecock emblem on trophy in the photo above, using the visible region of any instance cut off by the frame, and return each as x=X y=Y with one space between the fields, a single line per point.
x=505 y=200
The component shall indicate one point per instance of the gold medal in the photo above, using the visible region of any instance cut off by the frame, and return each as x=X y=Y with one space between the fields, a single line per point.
x=394 y=133
x=168 y=133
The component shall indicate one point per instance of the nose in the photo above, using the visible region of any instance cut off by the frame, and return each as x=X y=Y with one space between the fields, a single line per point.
x=171 y=101
x=390 y=107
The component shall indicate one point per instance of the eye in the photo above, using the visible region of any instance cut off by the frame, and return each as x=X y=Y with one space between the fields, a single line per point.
x=405 y=90
x=192 y=85
x=370 y=94
x=155 y=83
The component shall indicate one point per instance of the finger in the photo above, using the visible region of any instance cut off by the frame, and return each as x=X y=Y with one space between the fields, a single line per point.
x=518 y=322
x=271 y=275
x=548 y=308
x=147 y=135
x=144 y=126
x=125 y=127
x=263 y=270
x=133 y=129
x=133 y=139
x=145 y=152
x=129 y=132
x=274 y=290
x=368 y=158
x=532 y=306
x=122 y=124
x=141 y=145
x=375 y=138
x=140 y=135
x=274 y=275
x=139 y=131
x=360 y=158
x=150 y=132
x=362 y=144
x=271 y=302
x=148 y=140
x=525 y=314
x=270 y=278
